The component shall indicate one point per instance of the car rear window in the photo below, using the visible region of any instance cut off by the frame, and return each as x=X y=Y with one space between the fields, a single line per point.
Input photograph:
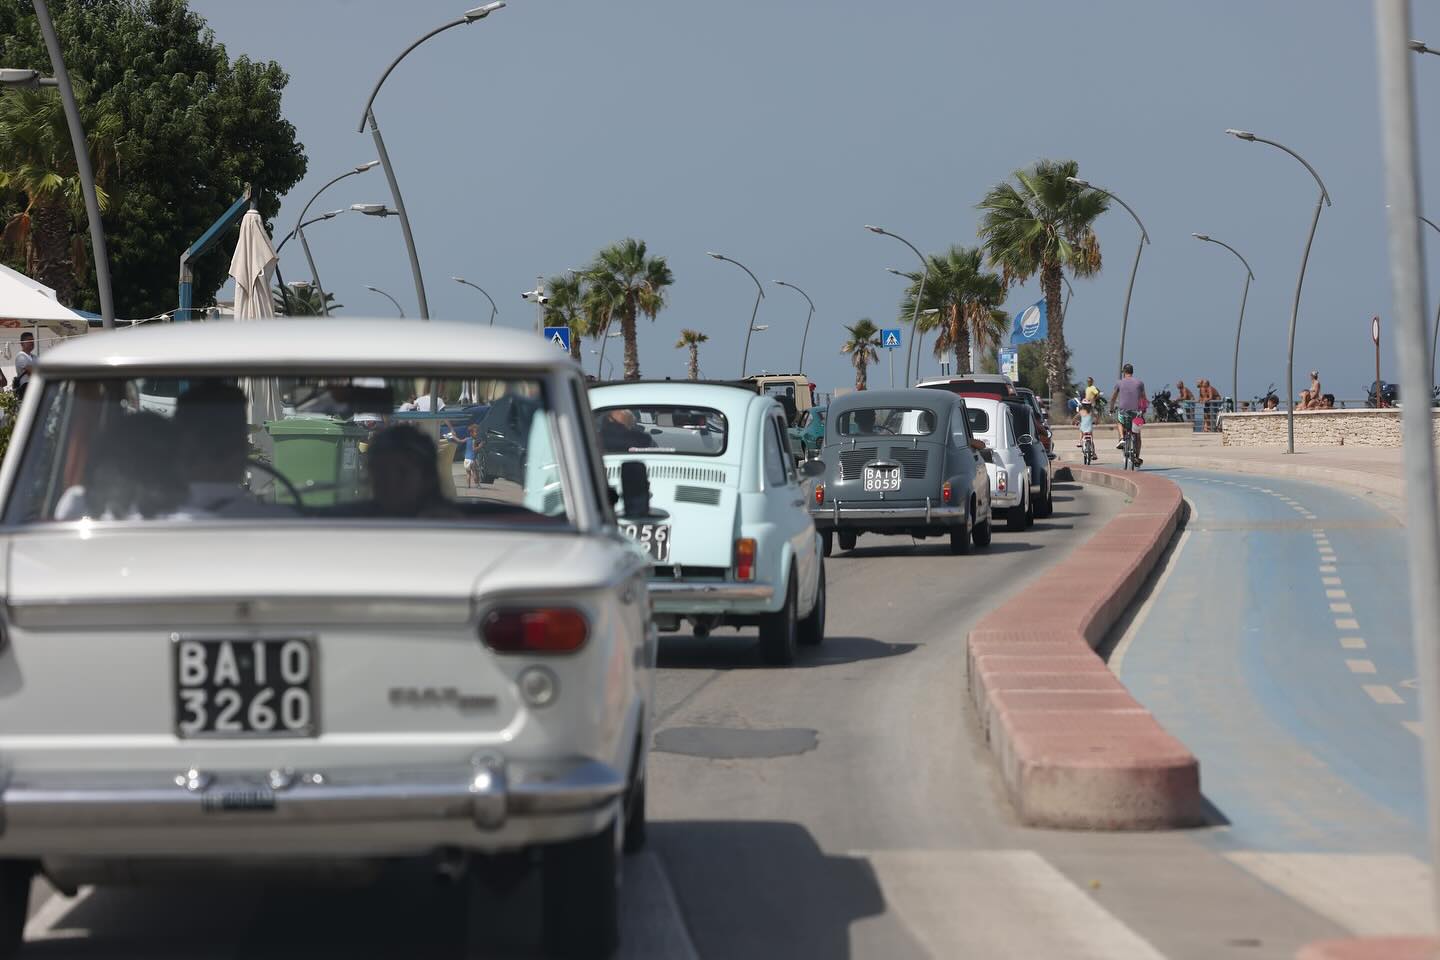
x=662 y=429
x=886 y=422
x=979 y=420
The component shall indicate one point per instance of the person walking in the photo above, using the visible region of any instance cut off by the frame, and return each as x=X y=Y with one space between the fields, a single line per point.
x=24 y=361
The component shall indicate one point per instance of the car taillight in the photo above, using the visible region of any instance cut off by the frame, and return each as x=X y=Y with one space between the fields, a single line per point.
x=745 y=559
x=945 y=492
x=1002 y=480
x=535 y=630
x=819 y=494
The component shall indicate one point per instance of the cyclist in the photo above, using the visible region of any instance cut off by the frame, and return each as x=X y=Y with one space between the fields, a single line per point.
x=1127 y=400
x=1085 y=420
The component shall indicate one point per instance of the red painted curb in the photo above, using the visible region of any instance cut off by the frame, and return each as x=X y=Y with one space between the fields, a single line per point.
x=1373 y=948
x=1075 y=749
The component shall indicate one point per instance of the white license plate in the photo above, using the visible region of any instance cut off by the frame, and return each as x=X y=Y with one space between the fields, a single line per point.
x=880 y=478
x=244 y=687
x=653 y=537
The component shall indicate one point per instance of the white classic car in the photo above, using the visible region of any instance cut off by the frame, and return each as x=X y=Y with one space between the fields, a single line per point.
x=233 y=637
x=737 y=546
x=992 y=422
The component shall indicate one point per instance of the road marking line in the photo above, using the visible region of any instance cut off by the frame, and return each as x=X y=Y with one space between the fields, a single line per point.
x=1335 y=594
x=43 y=924
x=1360 y=666
x=1365 y=893
x=1381 y=693
x=1341 y=607
x=1324 y=550
x=1327 y=568
x=1414 y=727
x=1322 y=542
x=1330 y=581
x=1310 y=516
x=1353 y=643
x=1347 y=623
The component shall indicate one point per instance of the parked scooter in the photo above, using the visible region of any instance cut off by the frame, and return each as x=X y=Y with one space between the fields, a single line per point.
x=1163 y=409
x=1263 y=403
x=1389 y=395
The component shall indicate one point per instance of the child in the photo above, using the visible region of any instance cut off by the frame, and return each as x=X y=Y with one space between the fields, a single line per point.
x=1085 y=420
x=472 y=464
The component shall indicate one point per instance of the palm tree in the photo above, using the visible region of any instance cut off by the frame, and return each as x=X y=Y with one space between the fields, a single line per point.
x=302 y=300
x=624 y=282
x=567 y=309
x=1043 y=224
x=38 y=164
x=862 y=344
x=966 y=298
x=692 y=339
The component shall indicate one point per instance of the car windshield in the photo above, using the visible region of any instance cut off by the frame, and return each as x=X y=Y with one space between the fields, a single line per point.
x=262 y=448
x=886 y=422
x=662 y=429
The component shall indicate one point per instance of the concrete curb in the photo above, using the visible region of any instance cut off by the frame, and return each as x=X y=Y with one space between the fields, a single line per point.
x=1373 y=948
x=1075 y=750
x=1299 y=470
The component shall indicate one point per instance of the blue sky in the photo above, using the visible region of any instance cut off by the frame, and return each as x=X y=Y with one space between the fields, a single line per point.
x=772 y=130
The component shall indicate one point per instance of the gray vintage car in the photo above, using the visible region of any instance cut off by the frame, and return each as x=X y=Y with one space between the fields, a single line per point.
x=902 y=462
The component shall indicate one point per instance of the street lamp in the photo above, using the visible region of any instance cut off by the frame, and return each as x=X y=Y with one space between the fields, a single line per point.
x=300 y=230
x=23 y=79
x=493 y=309
x=328 y=215
x=1323 y=200
x=609 y=364
x=1249 y=275
x=806 y=334
x=760 y=327
x=387 y=297
x=470 y=16
x=374 y=210
x=915 y=315
x=759 y=295
x=1134 y=268
x=301 y=223
x=1435 y=337
x=81 y=148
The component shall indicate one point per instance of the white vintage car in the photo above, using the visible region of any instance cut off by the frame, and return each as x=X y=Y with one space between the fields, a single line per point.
x=236 y=636
x=992 y=422
x=736 y=545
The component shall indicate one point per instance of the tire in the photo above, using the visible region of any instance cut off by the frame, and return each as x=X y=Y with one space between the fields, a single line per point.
x=847 y=540
x=812 y=628
x=1017 y=518
x=827 y=542
x=983 y=533
x=779 y=632
x=14 y=905
x=1046 y=506
x=580 y=895
x=960 y=537
x=635 y=835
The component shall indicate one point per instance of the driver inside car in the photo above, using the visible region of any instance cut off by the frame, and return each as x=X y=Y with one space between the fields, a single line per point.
x=213 y=444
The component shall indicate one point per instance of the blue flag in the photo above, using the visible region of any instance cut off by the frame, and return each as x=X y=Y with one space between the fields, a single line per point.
x=1031 y=324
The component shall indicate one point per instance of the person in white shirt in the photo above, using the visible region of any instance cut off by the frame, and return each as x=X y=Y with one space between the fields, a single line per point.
x=422 y=403
x=24 y=360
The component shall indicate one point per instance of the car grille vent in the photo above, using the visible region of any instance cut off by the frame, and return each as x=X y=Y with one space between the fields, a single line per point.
x=852 y=460
x=673 y=471
x=708 y=496
x=665 y=572
x=912 y=460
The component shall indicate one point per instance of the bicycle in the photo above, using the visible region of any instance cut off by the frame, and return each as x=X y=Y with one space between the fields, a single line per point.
x=1088 y=442
x=1132 y=462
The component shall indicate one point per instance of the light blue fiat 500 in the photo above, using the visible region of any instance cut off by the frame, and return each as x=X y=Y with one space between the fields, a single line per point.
x=728 y=533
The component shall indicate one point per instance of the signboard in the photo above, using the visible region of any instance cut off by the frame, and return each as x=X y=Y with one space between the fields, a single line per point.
x=1010 y=363
x=1031 y=324
x=559 y=336
x=1375 y=330
x=890 y=339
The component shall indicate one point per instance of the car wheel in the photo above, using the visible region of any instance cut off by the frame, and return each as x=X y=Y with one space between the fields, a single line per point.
x=1016 y=517
x=580 y=894
x=847 y=540
x=779 y=632
x=984 y=532
x=960 y=537
x=827 y=542
x=1044 y=505
x=14 y=905
x=812 y=628
x=635 y=817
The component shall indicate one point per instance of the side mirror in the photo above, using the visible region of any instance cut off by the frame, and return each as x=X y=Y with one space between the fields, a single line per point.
x=813 y=468
x=987 y=455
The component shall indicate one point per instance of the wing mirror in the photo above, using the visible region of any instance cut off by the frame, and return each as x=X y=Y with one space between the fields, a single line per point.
x=813 y=468
x=635 y=492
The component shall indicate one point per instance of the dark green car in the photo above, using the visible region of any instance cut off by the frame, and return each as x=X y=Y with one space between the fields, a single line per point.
x=808 y=434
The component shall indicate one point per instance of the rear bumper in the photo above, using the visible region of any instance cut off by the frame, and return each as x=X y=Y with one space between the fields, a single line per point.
x=711 y=597
x=839 y=515
x=488 y=804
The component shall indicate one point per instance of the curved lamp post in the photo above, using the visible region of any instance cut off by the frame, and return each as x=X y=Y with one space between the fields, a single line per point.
x=1323 y=200
x=1249 y=275
x=1134 y=268
x=1435 y=336
x=299 y=229
x=387 y=297
x=915 y=315
x=806 y=334
x=470 y=16
x=301 y=223
x=493 y=309
x=759 y=295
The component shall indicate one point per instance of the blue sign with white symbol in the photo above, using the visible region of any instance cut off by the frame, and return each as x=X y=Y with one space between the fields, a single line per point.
x=560 y=336
x=890 y=339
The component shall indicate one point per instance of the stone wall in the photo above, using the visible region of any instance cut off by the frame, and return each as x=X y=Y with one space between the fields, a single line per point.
x=1316 y=428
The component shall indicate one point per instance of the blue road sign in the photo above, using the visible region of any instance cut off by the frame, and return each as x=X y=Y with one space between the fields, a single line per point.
x=890 y=339
x=560 y=336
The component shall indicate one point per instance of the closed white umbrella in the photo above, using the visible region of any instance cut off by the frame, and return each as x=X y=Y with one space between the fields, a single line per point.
x=252 y=265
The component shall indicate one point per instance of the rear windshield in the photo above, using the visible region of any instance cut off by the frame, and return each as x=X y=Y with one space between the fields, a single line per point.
x=886 y=422
x=662 y=429
x=979 y=420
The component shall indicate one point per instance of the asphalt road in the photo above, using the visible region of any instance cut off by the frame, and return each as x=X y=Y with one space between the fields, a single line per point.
x=845 y=807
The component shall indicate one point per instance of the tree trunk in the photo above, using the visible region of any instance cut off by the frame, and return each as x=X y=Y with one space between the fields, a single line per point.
x=694 y=361
x=51 y=248
x=575 y=342
x=1056 y=353
x=860 y=375
x=632 y=349
x=959 y=339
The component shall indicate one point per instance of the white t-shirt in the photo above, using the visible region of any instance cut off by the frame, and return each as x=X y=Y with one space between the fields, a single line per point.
x=423 y=403
x=23 y=362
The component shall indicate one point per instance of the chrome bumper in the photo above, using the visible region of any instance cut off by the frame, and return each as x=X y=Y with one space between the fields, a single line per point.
x=837 y=511
x=487 y=793
x=668 y=592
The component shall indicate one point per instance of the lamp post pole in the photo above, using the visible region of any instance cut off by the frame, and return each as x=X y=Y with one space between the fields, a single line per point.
x=920 y=295
x=470 y=16
x=759 y=295
x=387 y=296
x=1249 y=275
x=301 y=223
x=78 y=143
x=1134 y=268
x=300 y=232
x=1435 y=336
x=804 y=336
x=1322 y=201
x=493 y=309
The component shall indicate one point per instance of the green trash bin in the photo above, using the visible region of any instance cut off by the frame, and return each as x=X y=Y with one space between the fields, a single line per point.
x=320 y=456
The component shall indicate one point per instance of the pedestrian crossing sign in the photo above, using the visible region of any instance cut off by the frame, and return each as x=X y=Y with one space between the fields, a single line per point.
x=890 y=339
x=559 y=336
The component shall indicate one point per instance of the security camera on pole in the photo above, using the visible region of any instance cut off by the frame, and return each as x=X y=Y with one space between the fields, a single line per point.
x=537 y=297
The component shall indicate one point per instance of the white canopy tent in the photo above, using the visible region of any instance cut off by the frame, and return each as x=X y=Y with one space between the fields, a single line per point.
x=28 y=305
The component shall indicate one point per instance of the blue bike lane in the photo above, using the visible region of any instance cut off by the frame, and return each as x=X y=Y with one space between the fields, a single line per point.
x=1277 y=649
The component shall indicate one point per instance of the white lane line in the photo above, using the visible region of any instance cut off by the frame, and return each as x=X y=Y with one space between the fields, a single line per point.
x=1335 y=594
x=998 y=904
x=44 y=922
x=1330 y=581
x=1341 y=607
x=1365 y=893
x=1347 y=623
x=1327 y=568
x=1360 y=666
x=1381 y=693
x=1414 y=727
x=1117 y=656
x=1322 y=543
x=1311 y=516
x=1353 y=643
